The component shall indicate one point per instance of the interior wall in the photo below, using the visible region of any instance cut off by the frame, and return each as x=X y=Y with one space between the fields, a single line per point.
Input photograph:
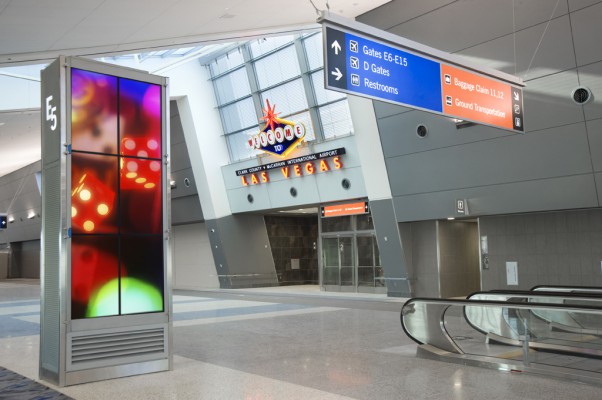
x=419 y=240
x=241 y=250
x=390 y=248
x=294 y=238
x=556 y=164
x=316 y=188
x=185 y=202
x=459 y=265
x=193 y=265
x=191 y=87
x=4 y=264
x=19 y=198
x=554 y=248
x=25 y=260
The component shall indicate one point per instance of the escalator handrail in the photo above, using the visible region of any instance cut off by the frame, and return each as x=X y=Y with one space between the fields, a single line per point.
x=489 y=303
x=597 y=289
x=584 y=295
x=529 y=294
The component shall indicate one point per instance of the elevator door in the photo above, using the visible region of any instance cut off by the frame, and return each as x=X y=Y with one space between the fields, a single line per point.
x=339 y=272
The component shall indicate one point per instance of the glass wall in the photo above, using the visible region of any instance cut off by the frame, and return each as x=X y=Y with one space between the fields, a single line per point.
x=289 y=72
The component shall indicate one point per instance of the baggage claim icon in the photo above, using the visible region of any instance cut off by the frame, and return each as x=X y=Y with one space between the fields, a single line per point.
x=279 y=136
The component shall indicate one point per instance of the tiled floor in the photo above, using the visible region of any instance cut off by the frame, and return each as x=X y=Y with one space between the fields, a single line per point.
x=295 y=343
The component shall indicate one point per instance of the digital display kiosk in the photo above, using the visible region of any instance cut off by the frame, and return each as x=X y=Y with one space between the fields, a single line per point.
x=106 y=297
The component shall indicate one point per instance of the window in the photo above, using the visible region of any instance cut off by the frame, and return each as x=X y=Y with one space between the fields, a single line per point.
x=239 y=115
x=226 y=62
x=277 y=67
x=289 y=72
x=239 y=146
x=336 y=119
x=265 y=45
x=289 y=98
x=322 y=95
x=313 y=51
x=232 y=86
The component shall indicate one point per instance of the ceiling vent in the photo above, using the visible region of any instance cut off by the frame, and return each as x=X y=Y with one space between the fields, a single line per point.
x=581 y=95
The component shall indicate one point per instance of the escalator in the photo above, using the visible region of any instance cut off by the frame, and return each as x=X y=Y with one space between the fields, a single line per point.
x=555 y=331
x=553 y=334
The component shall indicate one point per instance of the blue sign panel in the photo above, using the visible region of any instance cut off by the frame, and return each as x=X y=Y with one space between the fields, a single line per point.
x=370 y=68
x=366 y=67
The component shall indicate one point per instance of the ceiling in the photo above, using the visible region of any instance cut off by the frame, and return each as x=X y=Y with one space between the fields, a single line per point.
x=537 y=35
x=36 y=32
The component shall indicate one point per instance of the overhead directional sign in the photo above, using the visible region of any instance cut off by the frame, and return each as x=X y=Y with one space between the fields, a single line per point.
x=339 y=210
x=364 y=61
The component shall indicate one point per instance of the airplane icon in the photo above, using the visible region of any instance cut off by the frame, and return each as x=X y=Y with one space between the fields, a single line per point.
x=353 y=46
x=516 y=96
x=355 y=62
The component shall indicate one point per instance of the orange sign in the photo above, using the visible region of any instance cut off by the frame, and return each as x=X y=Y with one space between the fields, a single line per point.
x=345 y=209
x=480 y=99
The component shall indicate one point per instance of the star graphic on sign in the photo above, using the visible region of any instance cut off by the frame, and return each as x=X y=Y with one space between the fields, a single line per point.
x=270 y=115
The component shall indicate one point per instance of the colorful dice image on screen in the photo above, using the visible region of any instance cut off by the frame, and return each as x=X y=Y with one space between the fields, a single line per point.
x=93 y=195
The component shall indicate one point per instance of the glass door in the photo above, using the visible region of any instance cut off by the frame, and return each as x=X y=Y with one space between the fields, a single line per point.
x=348 y=270
x=330 y=262
x=338 y=264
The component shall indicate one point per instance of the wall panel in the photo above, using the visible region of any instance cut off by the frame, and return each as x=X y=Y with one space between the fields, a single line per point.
x=193 y=265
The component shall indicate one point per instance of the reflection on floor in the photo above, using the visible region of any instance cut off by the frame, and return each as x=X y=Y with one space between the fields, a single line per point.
x=283 y=343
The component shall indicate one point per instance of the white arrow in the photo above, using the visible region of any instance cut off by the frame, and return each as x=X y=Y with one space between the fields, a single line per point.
x=337 y=73
x=337 y=47
x=516 y=96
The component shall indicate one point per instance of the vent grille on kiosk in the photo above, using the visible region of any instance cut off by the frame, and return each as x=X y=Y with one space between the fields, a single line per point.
x=103 y=349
